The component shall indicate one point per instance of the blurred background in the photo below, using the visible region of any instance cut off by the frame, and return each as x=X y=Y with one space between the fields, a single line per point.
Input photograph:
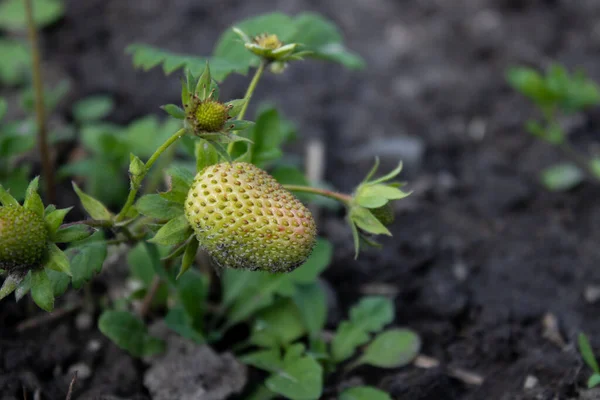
x=482 y=252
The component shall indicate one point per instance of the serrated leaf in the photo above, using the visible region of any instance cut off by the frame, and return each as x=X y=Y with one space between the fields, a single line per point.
x=562 y=177
x=57 y=260
x=587 y=353
x=86 y=258
x=205 y=154
x=370 y=315
x=73 y=233
x=129 y=333
x=393 y=348
x=42 y=291
x=173 y=232
x=93 y=108
x=155 y=206
x=174 y=111
x=364 y=393
x=94 y=207
x=301 y=377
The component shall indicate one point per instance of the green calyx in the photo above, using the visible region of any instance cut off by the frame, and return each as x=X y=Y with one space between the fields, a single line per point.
x=23 y=239
x=245 y=219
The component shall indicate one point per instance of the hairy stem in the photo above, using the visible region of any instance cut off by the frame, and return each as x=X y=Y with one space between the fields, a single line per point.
x=343 y=198
x=133 y=191
x=248 y=95
x=40 y=110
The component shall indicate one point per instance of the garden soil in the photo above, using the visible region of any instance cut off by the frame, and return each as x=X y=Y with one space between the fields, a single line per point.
x=495 y=273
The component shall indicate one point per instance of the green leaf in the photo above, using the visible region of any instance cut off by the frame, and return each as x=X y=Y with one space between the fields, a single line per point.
x=373 y=196
x=236 y=107
x=155 y=206
x=93 y=108
x=587 y=353
x=178 y=321
x=174 y=111
x=366 y=221
x=54 y=219
x=129 y=333
x=148 y=57
x=268 y=360
x=364 y=393
x=393 y=348
x=531 y=84
x=59 y=281
x=301 y=377
x=311 y=301
x=278 y=325
x=9 y=285
x=323 y=40
x=6 y=199
x=189 y=256
x=593 y=381
x=42 y=291
x=87 y=257
x=246 y=292
x=193 y=292
x=206 y=154
x=33 y=200
x=173 y=232
x=45 y=12
x=3 y=107
x=562 y=177
x=94 y=208
x=15 y=63
x=73 y=233
x=204 y=83
x=370 y=315
x=57 y=260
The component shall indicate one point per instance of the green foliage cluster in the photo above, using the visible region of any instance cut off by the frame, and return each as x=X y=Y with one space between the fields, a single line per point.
x=286 y=313
x=556 y=94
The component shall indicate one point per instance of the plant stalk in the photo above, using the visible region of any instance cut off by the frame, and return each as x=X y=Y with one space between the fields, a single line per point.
x=133 y=191
x=248 y=95
x=40 y=110
x=343 y=198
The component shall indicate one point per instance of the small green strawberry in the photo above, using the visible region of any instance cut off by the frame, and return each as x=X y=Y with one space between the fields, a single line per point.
x=384 y=214
x=23 y=239
x=245 y=219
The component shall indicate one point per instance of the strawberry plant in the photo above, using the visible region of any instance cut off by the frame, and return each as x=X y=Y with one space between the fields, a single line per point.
x=557 y=94
x=230 y=195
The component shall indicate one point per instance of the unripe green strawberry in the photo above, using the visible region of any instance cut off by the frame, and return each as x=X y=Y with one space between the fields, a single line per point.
x=384 y=214
x=245 y=219
x=211 y=116
x=23 y=239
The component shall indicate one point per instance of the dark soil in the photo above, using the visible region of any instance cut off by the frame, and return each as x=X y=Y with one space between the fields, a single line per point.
x=483 y=259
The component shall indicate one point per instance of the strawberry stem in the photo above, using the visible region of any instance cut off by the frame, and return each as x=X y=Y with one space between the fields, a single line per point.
x=133 y=191
x=342 y=198
x=248 y=95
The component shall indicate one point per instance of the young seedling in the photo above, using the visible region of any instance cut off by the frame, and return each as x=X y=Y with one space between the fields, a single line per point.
x=556 y=94
x=588 y=356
